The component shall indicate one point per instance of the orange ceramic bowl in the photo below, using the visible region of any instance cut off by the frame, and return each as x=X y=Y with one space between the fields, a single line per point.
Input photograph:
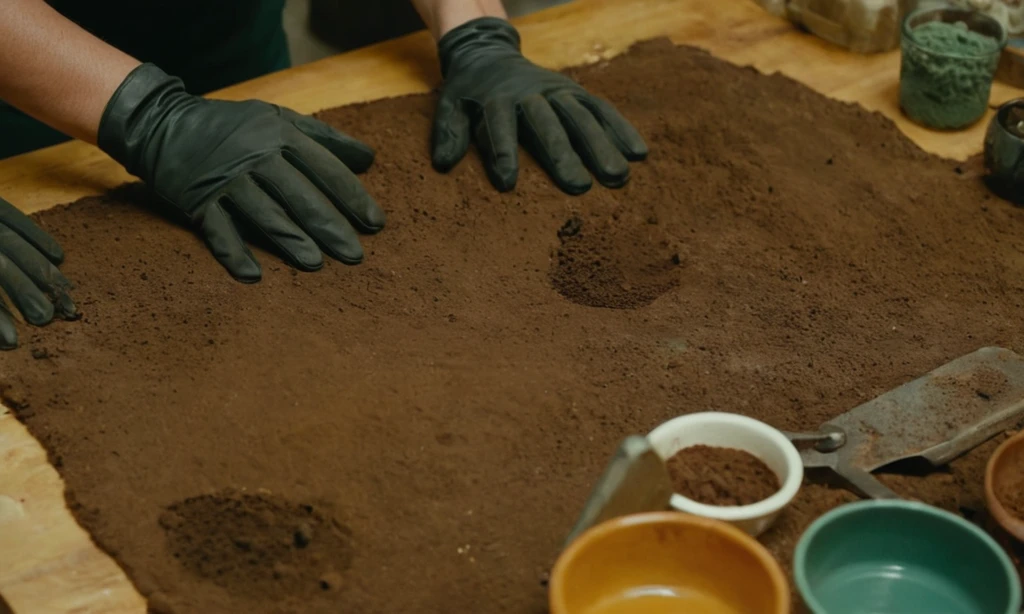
x=665 y=563
x=1003 y=467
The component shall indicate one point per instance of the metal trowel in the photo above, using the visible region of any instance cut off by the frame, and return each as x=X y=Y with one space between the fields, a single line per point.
x=635 y=481
x=936 y=417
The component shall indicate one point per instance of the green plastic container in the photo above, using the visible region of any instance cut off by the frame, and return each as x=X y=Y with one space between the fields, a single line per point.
x=902 y=557
x=949 y=58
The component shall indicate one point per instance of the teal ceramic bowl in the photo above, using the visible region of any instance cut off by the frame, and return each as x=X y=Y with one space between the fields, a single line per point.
x=902 y=557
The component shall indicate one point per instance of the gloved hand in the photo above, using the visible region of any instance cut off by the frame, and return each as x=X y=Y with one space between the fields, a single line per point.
x=29 y=275
x=243 y=167
x=493 y=91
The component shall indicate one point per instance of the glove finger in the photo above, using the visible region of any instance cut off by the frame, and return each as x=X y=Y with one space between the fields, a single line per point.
x=619 y=131
x=310 y=209
x=24 y=226
x=450 y=135
x=41 y=271
x=355 y=154
x=545 y=138
x=226 y=244
x=498 y=141
x=336 y=182
x=29 y=299
x=588 y=137
x=263 y=216
x=8 y=330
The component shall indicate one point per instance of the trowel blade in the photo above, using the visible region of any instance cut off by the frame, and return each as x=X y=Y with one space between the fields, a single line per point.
x=635 y=481
x=938 y=416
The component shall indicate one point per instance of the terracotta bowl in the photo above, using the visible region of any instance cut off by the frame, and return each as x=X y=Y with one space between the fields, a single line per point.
x=1002 y=466
x=665 y=563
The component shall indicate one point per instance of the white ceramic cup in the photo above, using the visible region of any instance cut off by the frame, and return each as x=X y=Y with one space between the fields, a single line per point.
x=726 y=430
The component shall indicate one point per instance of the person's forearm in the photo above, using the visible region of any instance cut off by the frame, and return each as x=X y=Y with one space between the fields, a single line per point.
x=55 y=71
x=443 y=15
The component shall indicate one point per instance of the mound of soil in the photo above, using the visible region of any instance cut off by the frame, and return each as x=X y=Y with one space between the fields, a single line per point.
x=613 y=263
x=257 y=544
x=450 y=405
x=721 y=476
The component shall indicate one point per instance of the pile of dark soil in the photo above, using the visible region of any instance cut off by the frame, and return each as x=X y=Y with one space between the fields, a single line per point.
x=721 y=476
x=258 y=544
x=602 y=264
x=444 y=406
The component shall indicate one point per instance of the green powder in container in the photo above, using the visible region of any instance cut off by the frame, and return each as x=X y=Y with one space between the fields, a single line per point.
x=946 y=74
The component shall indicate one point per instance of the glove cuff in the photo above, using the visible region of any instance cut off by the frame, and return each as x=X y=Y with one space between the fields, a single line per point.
x=480 y=33
x=132 y=113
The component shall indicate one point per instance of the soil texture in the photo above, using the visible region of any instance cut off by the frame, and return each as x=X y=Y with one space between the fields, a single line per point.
x=257 y=544
x=721 y=476
x=445 y=407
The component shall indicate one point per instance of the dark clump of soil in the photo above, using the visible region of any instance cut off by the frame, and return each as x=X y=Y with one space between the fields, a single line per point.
x=721 y=476
x=990 y=383
x=258 y=544
x=618 y=262
x=13 y=396
x=453 y=407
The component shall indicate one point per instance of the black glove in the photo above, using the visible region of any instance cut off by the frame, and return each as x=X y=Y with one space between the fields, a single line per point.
x=243 y=167
x=491 y=89
x=29 y=275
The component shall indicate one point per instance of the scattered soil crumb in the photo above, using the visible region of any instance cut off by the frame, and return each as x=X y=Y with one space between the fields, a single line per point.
x=257 y=545
x=570 y=228
x=721 y=476
x=330 y=581
x=14 y=396
x=989 y=383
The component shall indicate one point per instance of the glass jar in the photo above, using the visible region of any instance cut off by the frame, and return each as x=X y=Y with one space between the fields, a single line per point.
x=949 y=57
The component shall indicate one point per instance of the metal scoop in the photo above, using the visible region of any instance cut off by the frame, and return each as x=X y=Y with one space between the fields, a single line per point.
x=936 y=417
x=635 y=481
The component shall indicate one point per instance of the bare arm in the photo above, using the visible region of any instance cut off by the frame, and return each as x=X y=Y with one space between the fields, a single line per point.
x=443 y=15
x=54 y=70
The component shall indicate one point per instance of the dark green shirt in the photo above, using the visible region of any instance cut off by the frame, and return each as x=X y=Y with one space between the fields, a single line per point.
x=210 y=44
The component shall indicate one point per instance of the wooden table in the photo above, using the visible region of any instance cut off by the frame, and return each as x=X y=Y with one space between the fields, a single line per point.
x=47 y=562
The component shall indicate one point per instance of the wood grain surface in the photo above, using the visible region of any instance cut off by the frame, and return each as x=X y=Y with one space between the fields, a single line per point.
x=47 y=562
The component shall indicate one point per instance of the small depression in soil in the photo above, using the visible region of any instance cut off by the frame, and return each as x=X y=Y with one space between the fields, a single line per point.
x=721 y=476
x=453 y=398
